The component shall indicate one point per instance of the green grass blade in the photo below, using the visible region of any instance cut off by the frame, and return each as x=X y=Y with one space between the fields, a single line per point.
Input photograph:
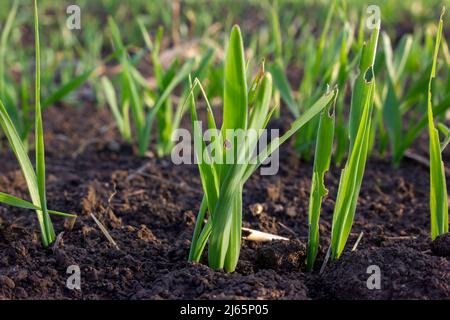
x=4 y=43
x=16 y=202
x=208 y=174
x=438 y=186
x=62 y=214
x=20 y=203
x=202 y=240
x=361 y=91
x=324 y=36
x=282 y=84
x=389 y=57
x=137 y=108
x=235 y=111
x=393 y=121
x=322 y=158
x=176 y=80
x=27 y=122
x=315 y=109
x=39 y=141
x=198 y=73
x=260 y=110
x=194 y=256
x=234 y=247
x=224 y=215
x=67 y=88
x=402 y=54
x=111 y=99
x=18 y=148
x=276 y=32
x=349 y=186
x=259 y=116
x=414 y=131
x=352 y=175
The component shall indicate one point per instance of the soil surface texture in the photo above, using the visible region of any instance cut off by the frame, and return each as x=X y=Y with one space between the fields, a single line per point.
x=149 y=206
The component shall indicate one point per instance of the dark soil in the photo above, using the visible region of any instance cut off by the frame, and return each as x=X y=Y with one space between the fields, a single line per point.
x=149 y=207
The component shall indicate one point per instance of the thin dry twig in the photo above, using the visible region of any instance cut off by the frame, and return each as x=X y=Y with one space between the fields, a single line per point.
x=139 y=171
x=355 y=246
x=325 y=261
x=285 y=227
x=105 y=232
x=136 y=193
x=401 y=237
x=110 y=198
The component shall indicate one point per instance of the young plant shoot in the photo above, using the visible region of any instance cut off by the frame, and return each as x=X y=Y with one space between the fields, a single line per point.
x=322 y=158
x=245 y=110
x=35 y=179
x=438 y=185
x=133 y=91
x=360 y=123
x=15 y=95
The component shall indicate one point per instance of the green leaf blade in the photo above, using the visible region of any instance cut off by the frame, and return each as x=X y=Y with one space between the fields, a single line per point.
x=322 y=158
x=360 y=132
x=39 y=143
x=438 y=185
x=235 y=110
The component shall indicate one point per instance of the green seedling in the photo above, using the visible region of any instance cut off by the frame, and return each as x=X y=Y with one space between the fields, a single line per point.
x=438 y=185
x=15 y=95
x=223 y=182
x=359 y=132
x=35 y=179
x=322 y=158
x=132 y=99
